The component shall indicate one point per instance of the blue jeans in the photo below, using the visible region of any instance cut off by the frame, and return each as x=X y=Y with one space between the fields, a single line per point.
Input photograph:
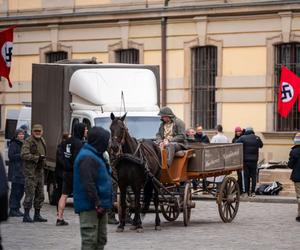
x=16 y=195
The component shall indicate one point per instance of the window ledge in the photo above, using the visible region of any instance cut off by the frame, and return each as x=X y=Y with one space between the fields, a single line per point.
x=278 y=135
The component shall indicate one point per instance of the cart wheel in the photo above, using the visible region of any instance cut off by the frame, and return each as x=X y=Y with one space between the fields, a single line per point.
x=228 y=199
x=170 y=209
x=187 y=203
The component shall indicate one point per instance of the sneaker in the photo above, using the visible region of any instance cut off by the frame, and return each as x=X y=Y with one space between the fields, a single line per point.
x=298 y=218
x=15 y=213
x=252 y=195
x=61 y=222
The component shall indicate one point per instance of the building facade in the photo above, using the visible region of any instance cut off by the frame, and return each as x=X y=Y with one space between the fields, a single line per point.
x=220 y=59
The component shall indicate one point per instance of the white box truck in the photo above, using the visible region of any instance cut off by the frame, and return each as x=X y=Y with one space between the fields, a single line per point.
x=65 y=94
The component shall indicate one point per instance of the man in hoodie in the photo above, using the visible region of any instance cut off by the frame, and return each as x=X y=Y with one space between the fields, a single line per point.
x=171 y=133
x=93 y=189
x=72 y=147
x=251 y=145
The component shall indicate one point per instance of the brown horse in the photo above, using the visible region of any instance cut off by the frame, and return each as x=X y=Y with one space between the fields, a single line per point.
x=136 y=164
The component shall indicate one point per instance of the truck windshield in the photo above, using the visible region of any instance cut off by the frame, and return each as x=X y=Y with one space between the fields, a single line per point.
x=139 y=127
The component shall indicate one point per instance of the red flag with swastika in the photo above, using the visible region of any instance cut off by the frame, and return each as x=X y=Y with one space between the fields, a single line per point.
x=6 y=47
x=289 y=90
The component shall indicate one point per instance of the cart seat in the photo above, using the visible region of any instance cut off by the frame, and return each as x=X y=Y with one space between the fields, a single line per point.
x=178 y=171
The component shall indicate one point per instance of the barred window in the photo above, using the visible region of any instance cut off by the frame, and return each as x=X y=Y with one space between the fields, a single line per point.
x=287 y=54
x=127 y=56
x=52 y=57
x=204 y=71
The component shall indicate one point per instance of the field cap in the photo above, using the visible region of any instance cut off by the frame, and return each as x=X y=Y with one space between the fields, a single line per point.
x=238 y=129
x=37 y=127
x=297 y=139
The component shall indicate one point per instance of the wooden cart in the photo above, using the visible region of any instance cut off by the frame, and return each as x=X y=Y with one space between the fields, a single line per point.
x=197 y=164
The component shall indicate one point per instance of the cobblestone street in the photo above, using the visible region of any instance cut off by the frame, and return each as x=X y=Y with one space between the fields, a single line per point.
x=257 y=226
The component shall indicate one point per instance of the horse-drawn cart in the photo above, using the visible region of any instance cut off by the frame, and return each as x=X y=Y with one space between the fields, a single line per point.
x=208 y=167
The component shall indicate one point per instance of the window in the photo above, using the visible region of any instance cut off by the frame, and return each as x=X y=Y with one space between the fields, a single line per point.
x=87 y=123
x=74 y=122
x=52 y=57
x=287 y=54
x=127 y=56
x=204 y=71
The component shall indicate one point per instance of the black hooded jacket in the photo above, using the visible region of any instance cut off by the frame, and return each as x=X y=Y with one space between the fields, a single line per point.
x=294 y=163
x=73 y=145
x=98 y=138
x=251 y=145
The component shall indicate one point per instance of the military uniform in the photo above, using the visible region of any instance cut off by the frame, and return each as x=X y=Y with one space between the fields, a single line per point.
x=33 y=154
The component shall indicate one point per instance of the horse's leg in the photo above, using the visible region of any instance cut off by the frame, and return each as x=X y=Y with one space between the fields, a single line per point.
x=148 y=190
x=156 y=203
x=123 y=209
x=137 y=218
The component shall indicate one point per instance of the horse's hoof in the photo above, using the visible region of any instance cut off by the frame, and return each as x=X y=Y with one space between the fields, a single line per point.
x=140 y=230
x=158 y=228
x=133 y=227
x=120 y=230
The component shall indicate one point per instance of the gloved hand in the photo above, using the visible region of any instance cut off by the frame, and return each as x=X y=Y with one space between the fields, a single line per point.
x=100 y=212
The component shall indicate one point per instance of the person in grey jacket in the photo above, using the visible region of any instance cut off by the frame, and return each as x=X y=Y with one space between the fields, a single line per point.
x=171 y=133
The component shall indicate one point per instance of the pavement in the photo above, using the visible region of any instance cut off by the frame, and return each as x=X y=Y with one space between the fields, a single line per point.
x=258 y=225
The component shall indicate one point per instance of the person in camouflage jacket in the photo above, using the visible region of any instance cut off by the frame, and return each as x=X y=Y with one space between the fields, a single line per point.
x=33 y=155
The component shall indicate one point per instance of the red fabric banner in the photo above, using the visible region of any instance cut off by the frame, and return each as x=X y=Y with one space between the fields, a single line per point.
x=6 y=48
x=289 y=90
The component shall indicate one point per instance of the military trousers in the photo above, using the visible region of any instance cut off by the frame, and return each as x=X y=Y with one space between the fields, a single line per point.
x=93 y=230
x=34 y=191
x=297 y=189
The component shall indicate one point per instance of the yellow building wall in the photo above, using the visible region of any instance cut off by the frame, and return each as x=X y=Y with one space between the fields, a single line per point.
x=91 y=2
x=244 y=61
x=178 y=110
x=14 y=5
x=152 y=57
x=101 y=57
x=244 y=115
x=21 y=68
x=175 y=64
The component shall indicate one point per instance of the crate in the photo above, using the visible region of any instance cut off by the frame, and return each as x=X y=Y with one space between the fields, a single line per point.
x=215 y=157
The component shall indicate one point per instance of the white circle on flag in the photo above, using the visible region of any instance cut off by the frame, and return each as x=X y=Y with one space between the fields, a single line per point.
x=287 y=92
x=6 y=52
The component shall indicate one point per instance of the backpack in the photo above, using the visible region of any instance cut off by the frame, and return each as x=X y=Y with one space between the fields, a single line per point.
x=269 y=189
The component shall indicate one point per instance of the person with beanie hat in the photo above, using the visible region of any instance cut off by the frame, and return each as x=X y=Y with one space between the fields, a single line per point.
x=92 y=184
x=17 y=175
x=238 y=132
x=294 y=164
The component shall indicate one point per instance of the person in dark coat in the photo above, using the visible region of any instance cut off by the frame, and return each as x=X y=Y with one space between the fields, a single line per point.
x=3 y=195
x=72 y=147
x=59 y=167
x=93 y=189
x=18 y=179
x=294 y=163
x=200 y=136
x=251 y=145
x=238 y=132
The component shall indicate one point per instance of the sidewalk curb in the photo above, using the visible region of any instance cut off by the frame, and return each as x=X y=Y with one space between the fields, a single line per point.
x=260 y=199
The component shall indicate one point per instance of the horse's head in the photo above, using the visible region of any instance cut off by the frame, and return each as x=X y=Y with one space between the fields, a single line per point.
x=118 y=133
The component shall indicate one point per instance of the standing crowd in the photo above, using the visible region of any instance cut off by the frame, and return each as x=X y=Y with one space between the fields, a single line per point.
x=83 y=169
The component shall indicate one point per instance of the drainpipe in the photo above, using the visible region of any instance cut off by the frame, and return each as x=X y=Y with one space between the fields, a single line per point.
x=164 y=58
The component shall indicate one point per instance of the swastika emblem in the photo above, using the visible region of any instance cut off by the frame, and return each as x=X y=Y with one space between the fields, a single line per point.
x=287 y=92
x=6 y=52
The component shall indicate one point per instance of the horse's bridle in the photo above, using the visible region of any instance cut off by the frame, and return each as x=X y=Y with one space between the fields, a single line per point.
x=120 y=141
